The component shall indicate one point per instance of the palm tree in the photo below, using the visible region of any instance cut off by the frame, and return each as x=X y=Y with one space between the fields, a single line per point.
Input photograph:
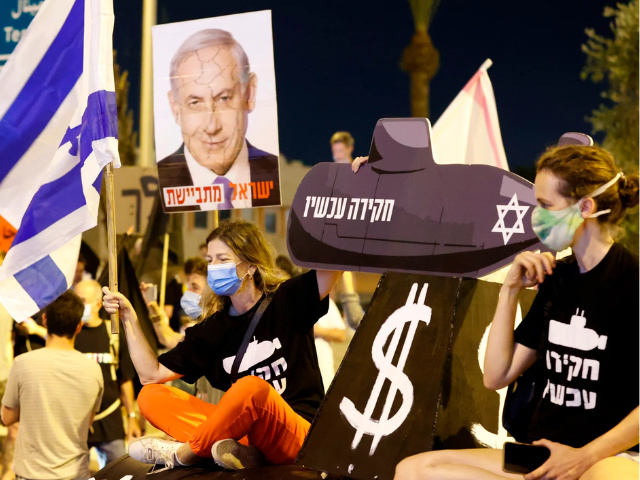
x=421 y=59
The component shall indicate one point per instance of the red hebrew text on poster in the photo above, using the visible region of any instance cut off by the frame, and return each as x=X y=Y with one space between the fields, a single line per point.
x=210 y=196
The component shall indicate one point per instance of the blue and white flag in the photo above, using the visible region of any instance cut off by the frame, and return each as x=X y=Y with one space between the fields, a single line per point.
x=58 y=129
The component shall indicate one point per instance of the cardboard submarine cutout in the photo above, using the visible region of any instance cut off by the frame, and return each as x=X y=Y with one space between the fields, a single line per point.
x=404 y=212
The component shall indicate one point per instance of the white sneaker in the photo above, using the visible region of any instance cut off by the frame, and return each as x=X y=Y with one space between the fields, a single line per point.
x=155 y=451
x=232 y=455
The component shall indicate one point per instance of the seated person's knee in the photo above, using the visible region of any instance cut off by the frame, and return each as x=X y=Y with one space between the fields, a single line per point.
x=416 y=468
x=405 y=469
x=424 y=465
x=146 y=395
x=612 y=467
x=253 y=385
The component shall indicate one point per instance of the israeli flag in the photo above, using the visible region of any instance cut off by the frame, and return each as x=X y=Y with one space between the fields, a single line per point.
x=58 y=129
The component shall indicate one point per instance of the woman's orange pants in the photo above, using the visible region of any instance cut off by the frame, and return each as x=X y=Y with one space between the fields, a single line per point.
x=250 y=411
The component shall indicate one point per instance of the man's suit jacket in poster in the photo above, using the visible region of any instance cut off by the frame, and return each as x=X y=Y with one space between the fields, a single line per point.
x=173 y=171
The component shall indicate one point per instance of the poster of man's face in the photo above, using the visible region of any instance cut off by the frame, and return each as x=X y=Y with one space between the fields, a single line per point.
x=216 y=125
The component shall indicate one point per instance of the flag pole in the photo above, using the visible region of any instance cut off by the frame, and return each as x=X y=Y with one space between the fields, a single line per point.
x=111 y=241
x=165 y=261
x=486 y=65
x=149 y=18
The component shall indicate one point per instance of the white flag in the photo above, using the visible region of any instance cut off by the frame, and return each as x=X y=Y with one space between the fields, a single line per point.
x=468 y=131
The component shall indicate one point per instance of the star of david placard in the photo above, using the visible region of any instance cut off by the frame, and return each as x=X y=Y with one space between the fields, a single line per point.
x=518 y=226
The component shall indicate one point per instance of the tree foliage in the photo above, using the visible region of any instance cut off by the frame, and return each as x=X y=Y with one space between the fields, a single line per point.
x=614 y=63
x=127 y=137
x=420 y=58
x=423 y=11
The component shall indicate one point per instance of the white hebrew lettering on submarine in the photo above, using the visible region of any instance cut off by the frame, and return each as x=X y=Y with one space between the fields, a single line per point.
x=576 y=335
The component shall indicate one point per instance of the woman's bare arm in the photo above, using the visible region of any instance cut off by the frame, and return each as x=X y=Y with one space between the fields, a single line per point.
x=506 y=360
x=326 y=281
x=143 y=357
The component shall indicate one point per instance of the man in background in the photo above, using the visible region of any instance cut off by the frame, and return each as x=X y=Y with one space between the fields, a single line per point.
x=107 y=434
x=54 y=393
x=342 y=147
x=172 y=295
x=329 y=329
x=81 y=273
x=6 y=358
x=190 y=302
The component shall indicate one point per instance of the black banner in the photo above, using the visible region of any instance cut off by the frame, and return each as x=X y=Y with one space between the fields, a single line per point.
x=411 y=380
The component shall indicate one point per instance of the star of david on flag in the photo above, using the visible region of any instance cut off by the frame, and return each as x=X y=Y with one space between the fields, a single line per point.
x=518 y=226
x=59 y=128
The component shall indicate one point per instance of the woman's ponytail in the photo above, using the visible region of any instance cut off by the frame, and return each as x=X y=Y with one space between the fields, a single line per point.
x=628 y=188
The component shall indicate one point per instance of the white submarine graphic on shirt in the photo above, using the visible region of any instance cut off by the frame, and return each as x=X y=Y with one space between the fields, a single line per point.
x=575 y=334
x=257 y=352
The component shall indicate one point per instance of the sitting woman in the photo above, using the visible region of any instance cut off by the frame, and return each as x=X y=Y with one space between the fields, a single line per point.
x=266 y=414
x=585 y=315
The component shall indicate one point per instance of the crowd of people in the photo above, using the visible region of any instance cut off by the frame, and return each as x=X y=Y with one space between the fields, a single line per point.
x=254 y=334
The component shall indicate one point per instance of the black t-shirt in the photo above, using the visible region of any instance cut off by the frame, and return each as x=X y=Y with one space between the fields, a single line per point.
x=282 y=351
x=94 y=342
x=584 y=327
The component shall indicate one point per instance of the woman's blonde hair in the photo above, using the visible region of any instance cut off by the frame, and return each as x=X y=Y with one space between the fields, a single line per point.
x=251 y=246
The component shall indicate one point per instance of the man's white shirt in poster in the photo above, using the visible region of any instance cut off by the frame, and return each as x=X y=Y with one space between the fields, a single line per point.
x=238 y=174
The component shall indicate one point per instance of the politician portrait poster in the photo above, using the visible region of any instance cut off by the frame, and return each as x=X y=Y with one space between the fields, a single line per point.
x=216 y=119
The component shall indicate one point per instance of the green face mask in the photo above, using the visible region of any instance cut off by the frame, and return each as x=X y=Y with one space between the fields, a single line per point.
x=556 y=229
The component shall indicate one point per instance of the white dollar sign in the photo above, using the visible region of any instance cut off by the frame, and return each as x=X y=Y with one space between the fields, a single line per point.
x=362 y=422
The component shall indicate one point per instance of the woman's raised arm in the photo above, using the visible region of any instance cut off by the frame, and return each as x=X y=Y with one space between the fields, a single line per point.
x=326 y=280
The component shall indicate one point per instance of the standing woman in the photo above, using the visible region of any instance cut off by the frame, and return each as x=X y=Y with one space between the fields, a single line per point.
x=265 y=415
x=585 y=315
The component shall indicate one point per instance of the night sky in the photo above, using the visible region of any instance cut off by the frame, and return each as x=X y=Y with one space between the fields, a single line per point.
x=337 y=64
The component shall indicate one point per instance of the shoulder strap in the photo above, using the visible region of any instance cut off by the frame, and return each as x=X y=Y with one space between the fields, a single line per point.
x=247 y=338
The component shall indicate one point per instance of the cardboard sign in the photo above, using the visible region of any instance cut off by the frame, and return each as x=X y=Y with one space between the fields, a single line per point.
x=135 y=191
x=216 y=115
x=403 y=212
x=469 y=414
x=410 y=381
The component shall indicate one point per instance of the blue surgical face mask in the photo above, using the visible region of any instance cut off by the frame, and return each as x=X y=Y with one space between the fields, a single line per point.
x=86 y=316
x=223 y=278
x=190 y=303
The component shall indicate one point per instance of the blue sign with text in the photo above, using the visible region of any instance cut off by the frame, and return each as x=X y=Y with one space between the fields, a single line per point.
x=15 y=17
